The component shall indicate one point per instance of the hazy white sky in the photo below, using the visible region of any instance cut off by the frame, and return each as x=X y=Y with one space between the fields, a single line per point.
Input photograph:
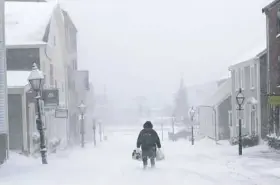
x=141 y=47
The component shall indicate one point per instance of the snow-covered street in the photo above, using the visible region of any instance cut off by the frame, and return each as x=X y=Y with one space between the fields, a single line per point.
x=110 y=163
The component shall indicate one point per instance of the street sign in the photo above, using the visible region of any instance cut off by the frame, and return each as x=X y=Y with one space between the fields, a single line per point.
x=274 y=100
x=51 y=97
x=61 y=113
x=81 y=117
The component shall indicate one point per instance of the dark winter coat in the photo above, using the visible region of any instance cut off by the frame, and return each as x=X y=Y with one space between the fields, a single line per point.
x=148 y=137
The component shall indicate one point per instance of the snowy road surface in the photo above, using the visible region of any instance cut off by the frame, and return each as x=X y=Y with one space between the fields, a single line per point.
x=110 y=163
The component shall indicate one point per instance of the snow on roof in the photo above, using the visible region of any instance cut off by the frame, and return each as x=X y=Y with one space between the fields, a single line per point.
x=197 y=94
x=220 y=95
x=252 y=53
x=17 y=78
x=26 y=21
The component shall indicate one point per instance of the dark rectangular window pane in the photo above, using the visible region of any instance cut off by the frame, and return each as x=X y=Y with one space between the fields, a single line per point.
x=22 y=59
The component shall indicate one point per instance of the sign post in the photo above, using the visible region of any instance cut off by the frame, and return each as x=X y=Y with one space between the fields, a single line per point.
x=51 y=98
x=94 y=132
x=274 y=100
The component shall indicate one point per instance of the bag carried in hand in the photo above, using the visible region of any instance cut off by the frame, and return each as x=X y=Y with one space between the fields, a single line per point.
x=159 y=155
x=137 y=155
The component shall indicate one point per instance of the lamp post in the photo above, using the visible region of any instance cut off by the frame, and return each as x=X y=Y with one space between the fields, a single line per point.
x=94 y=132
x=100 y=130
x=82 y=109
x=173 y=127
x=36 y=80
x=192 y=114
x=240 y=100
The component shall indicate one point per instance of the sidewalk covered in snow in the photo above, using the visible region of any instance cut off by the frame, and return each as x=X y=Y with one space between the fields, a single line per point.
x=202 y=164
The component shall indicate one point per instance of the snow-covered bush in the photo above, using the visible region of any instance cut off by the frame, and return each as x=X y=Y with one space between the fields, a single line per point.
x=36 y=138
x=233 y=141
x=247 y=140
x=273 y=141
x=250 y=140
x=54 y=143
x=36 y=144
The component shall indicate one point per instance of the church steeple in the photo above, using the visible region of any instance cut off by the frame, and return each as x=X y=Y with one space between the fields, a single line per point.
x=182 y=82
x=181 y=101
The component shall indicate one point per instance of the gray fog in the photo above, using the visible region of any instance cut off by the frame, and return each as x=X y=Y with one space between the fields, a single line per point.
x=142 y=48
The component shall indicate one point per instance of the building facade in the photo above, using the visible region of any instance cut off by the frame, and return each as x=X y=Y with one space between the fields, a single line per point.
x=213 y=114
x=246 y=75
x=47 y=41
x=272 y=12
x=3 y=89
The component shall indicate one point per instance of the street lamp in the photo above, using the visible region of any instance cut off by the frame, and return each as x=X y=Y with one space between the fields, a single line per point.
x=82 y=109
x=100 y=130
x=36 y=79
x=173 y=127
x=94 y=131
x=192 y=114
x=240 y=100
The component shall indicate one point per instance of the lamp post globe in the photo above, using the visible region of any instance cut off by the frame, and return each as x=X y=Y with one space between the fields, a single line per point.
x=240 y=97
x=82 y=107
x=192 y=112
x=36 y=78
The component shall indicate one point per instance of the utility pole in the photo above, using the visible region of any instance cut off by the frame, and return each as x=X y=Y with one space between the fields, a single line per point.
x=94 y=132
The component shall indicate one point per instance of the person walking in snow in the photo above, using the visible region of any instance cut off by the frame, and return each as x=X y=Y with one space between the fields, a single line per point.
x=149 y=141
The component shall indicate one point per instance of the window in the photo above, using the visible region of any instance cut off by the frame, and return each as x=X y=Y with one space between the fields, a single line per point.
x=45 y=80
x=253 y=119
x=22 y=59
x=236 y=80
x=242 y=78
x=252 y=76
x=62 y=87
x=230 y=118
x=51 y=75
x=278 y=21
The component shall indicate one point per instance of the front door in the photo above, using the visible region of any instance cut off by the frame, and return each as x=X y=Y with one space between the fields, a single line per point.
x=15 y=122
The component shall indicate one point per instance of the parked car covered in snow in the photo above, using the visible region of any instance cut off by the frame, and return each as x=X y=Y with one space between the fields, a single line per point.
x=182 y=134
